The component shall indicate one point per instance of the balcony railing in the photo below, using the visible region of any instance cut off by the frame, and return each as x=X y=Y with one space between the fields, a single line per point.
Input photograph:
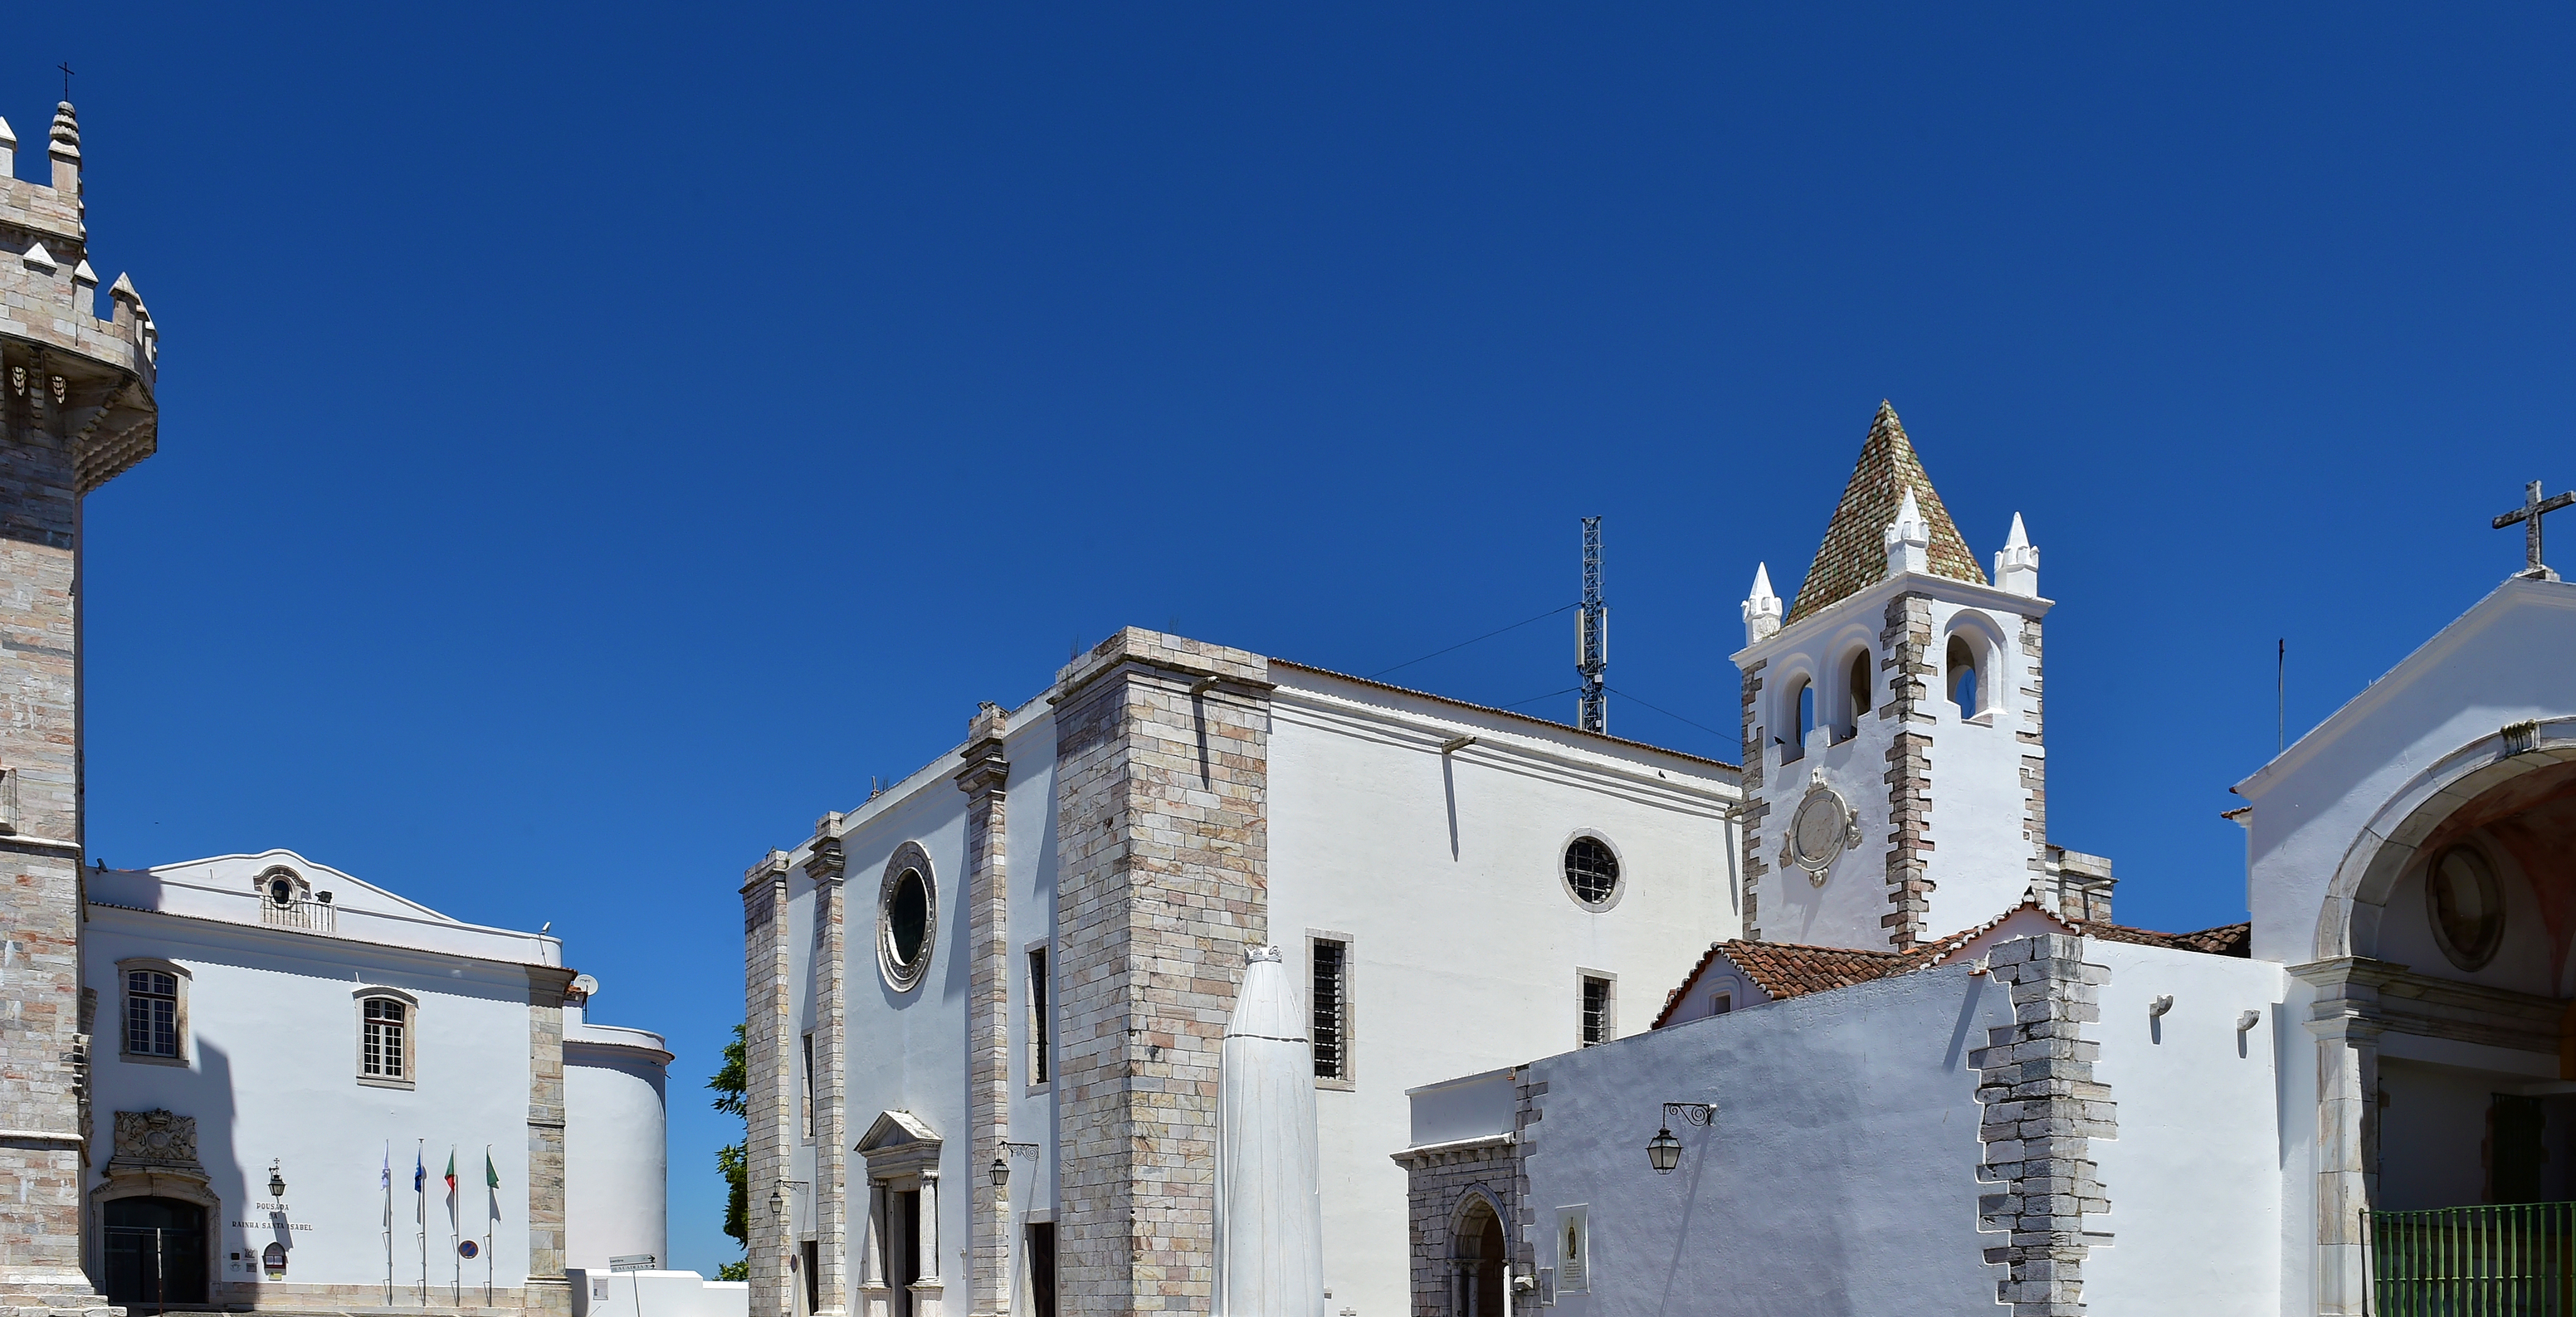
x=2505 y=1258
x=308 y=914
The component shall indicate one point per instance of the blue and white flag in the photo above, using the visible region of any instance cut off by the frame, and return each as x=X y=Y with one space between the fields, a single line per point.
x=385 y=1177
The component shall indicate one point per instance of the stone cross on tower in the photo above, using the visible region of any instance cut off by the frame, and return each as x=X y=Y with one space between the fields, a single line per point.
x=2533 y=508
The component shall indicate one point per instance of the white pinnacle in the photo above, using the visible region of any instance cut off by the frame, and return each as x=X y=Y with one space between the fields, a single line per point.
x=1761 y=608
x=2017 y=563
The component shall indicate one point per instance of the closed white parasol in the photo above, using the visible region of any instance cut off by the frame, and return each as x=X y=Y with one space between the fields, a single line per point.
x=1269 y=1216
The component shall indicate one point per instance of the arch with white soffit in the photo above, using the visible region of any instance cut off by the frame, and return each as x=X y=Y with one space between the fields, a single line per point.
x=2348 y=923
x=2346 y=975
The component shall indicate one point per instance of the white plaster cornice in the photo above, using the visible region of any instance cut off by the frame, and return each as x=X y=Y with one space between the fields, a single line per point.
x=1876 y=597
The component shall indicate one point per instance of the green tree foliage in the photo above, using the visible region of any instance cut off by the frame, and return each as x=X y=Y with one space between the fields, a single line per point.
x=731 y=1083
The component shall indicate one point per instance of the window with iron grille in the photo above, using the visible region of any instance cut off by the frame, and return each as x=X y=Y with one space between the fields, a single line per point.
x=1591 y=870
x=1332 y=1008
x=1597 y=1019
x=151 y=1013
x=1039 y=1059
x=384 y=1050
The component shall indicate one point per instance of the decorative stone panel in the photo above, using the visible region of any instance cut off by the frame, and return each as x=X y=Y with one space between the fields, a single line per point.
x=1162 y=772
x=2042 y=1110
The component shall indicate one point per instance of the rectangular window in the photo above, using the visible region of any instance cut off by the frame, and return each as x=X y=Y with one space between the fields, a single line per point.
x=151 y=1013
x=809 y=1088
x=1332 y=999
x=1723 y=1003
x=1040 y=1062
x=382 y=1054
x=813 y=1276
x=1597 y=1019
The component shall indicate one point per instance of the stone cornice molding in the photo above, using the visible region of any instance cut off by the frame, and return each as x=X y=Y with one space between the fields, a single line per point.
x=771 y=869
x=824 y=862
x=1172 y=657
x=1430 y=1154
x=987 y=765
x=1876 y=597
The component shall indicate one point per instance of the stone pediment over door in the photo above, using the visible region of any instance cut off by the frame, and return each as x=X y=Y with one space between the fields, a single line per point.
x=899 y=1143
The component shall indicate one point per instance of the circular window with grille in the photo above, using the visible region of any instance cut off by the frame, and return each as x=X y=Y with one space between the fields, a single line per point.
x=1592 y=872
x=907 y=917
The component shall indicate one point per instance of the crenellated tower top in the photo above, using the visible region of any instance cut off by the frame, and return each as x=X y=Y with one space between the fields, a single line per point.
x=70 y=369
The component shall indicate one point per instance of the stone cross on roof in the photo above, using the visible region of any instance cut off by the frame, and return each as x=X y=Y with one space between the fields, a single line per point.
x=2533 y=508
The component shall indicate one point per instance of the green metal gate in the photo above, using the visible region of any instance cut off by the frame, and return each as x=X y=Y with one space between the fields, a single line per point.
x=2505 y=1259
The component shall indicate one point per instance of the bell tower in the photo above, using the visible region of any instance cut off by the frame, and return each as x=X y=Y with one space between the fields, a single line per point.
x=1894 y=767
x=76 y=408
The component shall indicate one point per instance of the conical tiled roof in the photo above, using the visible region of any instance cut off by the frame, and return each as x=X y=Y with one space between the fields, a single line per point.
x=1854 y=556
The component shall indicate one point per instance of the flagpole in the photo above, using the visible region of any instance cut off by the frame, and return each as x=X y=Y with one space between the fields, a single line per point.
x=386 y=1177
x=455 y=1209
x=491 y=1208
x=420 y=1212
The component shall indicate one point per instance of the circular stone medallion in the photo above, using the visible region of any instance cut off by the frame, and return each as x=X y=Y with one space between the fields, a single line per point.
x=1820 y=830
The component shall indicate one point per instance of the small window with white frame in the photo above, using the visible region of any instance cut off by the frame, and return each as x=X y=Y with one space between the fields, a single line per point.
x=156 y=1012
x=388 y=1038
x=1600 y=1008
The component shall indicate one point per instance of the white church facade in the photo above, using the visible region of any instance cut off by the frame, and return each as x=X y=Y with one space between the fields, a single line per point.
x=985 y=1006
x=2362 y=1101
x=266 y=1021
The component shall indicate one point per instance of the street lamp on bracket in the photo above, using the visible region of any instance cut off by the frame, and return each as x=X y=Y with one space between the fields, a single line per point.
x=1664 y=1152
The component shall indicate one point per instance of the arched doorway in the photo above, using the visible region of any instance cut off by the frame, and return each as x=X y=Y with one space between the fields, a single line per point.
x=156 y=1253
x=2445 y=1018
x=1479 y=1260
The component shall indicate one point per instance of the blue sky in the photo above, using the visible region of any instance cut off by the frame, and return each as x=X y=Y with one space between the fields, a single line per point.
x=596 y=443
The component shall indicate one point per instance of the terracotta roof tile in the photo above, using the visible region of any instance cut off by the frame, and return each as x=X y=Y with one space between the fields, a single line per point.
x=1789 y=969
x=1853 y=556
x=2225 y=940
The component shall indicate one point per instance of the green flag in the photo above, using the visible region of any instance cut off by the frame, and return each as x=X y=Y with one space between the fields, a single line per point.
x=491 y=1177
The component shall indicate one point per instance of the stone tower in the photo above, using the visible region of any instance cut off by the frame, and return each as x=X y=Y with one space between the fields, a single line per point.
x=1894 y=767
x=75 y=409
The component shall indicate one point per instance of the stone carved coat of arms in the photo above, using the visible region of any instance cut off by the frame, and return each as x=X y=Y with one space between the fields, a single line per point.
x=156 y=1138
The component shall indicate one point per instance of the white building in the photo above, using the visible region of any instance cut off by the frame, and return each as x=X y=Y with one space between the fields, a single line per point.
x=1043 y=928
x=263 y=1020
x=2362 y=1102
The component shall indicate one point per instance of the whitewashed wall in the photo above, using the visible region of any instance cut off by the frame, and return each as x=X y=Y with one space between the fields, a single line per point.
x=1445 y=873
x=2194 y=1222
x=1839 y=1177
x=616 y=1144
x=271 y=1074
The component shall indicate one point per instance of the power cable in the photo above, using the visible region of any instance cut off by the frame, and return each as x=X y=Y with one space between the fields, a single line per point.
x=1666 y=712
x=1536 y=698
x=1465 y=643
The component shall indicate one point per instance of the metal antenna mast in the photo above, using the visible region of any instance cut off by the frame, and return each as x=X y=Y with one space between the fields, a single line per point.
x=1592 y=637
